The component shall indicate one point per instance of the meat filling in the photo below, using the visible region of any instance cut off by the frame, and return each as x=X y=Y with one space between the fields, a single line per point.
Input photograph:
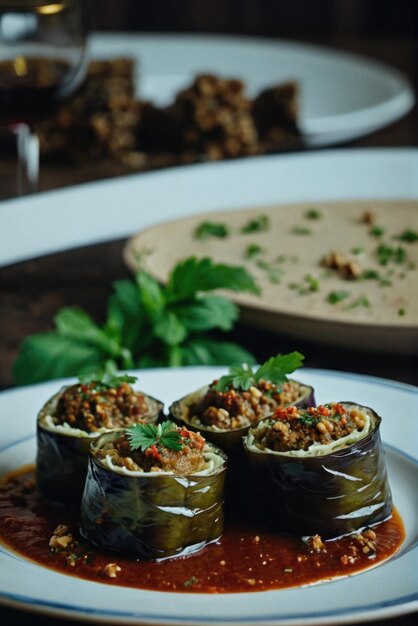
x=91 y=407
x=232 y=409
x=157 y=458
x=297 y=429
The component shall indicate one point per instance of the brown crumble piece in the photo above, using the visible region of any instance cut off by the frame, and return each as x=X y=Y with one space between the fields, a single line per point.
x=367 y=541
x=348 y=559
x=211 y=119
x=348 y=268
x=112 y=570
x=368 y=217
x=316 y=543
x=61 y=539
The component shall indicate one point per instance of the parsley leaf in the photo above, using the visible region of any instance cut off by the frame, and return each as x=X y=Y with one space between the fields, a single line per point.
x=109 y=379
x=164 y=435
x=274 y=370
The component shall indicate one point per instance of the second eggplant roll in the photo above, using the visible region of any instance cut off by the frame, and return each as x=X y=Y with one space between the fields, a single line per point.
x=225 y=409
x=71 y=420
x=319 y=470
x=154 y=492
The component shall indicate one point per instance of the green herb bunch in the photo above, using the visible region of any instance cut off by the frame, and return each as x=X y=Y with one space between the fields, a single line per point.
x=147 y=325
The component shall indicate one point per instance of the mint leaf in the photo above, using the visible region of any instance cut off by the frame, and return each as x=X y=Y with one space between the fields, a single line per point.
x=208 y=312
x=46 y=356
x=239 y=377
x=75 y=323
x=151 y=295
x=211 y=229
x=193 y=276
x=170 y=329
x=164 y=435
x=277 y=367
x=274 y=370
x=208 y=351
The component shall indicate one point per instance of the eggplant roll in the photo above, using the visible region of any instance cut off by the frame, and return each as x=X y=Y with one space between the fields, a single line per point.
x=70 y=421
x=152 y=513
x=225 y=416
x=320 y=470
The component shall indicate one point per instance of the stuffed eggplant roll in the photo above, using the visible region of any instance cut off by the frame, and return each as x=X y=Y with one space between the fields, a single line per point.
x=319 y=470
x=224 y=410
x=153 y=491
x=74 y=417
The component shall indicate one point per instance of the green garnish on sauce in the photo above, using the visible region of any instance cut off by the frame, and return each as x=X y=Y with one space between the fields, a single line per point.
x=274 y=370
x=144 y=436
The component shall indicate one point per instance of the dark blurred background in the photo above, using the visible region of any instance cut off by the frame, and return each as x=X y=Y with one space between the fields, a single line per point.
x=273 y=18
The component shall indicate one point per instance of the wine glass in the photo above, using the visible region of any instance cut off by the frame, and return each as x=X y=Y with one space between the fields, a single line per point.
x=42 y=61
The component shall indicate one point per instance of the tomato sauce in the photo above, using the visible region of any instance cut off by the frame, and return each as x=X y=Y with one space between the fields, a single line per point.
x=246 y=558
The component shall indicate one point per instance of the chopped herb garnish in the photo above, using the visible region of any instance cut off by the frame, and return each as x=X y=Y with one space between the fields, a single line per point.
x=190 y=581
x=256 y=225
x=274 y=370
x=164 y=435
x=274 y=273
x=313 y=214
x=401 y=312
x=408 y=235
x=336 y=296
x=369 y=274
x=361 y=301
x=211 y=229
x=387 y=254
x=301 y=230
x=308 y=285
x=357 y=250
x=252 y=250
x=377 y=231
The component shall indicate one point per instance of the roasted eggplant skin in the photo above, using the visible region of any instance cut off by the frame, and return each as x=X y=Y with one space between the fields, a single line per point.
x=62 y=459
x=230 y=441
x=152 y=517
x=331 y=495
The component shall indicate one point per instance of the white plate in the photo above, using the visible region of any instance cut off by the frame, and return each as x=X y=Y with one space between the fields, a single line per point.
x=343 y=96
x=391 y=589
x=96 y=212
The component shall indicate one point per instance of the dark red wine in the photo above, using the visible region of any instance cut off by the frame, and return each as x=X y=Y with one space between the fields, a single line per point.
x=30 y=88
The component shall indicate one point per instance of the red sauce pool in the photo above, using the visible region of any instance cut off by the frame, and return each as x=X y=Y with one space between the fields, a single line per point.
x=245 y=559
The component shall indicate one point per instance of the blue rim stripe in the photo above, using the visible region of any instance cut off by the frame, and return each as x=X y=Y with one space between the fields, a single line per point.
x=211 y=619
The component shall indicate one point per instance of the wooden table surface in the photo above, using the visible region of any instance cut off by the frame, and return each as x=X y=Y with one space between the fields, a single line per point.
x=32 y=292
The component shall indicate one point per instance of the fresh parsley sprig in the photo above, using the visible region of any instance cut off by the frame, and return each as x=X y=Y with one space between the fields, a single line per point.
x=274 y=370
x=107 y=379
x=144 y=436
x=147 y=325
